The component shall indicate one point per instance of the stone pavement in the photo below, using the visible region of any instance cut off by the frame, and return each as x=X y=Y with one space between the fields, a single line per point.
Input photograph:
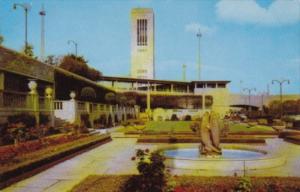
x=114 y=158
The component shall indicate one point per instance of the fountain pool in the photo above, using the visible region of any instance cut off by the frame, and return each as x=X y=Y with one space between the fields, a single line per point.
x=232 y=159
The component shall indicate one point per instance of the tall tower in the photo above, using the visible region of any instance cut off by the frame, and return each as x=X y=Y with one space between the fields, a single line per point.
x=142 y=43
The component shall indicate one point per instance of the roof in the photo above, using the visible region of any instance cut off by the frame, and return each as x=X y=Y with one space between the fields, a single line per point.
x=133 y=80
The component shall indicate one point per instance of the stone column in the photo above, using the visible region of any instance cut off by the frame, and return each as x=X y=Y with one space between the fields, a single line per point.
x=33 y=100
x=49 y=100
x=72 y=108
x=148 y=111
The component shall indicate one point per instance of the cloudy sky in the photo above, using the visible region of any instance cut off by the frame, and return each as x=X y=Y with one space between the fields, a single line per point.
x=244 y=41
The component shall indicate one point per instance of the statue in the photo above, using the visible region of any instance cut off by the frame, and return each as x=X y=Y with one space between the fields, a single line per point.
x=210 y=134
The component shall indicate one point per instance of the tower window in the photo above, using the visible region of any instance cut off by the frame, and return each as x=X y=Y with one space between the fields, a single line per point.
x=142 y=32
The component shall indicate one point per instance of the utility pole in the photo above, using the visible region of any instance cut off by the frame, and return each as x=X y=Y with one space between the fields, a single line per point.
x=183 y=72
x=280 y=92
x=42 y=14
x=199 y=35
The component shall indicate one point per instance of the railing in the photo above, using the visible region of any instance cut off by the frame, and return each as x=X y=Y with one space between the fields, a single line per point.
x=58 y=105
x=13 y=99
x=81 y=106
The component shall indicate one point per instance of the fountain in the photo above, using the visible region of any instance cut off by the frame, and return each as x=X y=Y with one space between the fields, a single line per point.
x=210 y=156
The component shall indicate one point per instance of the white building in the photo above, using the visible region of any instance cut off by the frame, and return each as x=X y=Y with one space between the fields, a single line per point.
x=142 y=43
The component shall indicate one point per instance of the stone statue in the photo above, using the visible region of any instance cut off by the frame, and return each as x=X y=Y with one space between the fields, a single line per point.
x=210 y=134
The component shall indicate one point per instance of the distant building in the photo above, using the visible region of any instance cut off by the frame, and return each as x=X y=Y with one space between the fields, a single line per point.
x=142 y=43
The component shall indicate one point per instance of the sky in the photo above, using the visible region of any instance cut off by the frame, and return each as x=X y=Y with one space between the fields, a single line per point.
x=247 y=42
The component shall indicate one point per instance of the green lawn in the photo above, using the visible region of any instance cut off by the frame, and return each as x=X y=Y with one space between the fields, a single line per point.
x=234 y=128
x=167 y=126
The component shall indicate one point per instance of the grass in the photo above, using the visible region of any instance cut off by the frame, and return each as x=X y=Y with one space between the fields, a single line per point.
x=160 y=126
x=184 y=127
x=113 y=183
x=236 y=128
x=168 y=126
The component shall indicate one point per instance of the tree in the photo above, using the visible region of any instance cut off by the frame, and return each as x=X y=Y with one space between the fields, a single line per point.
x=1 y=39
x=52 y=60
x=78 y=65
x=28 y=50
x=110 y=97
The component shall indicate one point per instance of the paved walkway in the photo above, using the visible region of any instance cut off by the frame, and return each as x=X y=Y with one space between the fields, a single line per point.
x=114 y=158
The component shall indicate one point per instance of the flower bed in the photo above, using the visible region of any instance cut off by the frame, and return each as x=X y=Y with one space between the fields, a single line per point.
x=197 y=184
x=293 y=139
x=28 y=156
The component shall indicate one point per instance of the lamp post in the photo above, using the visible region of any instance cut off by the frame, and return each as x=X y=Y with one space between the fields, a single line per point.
x=199 y=35
x=26 y=8
x=249 y=90
x=42 y=13
x=75 y=44
x=281 y=82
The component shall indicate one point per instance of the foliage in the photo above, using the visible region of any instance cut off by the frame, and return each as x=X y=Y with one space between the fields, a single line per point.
x=26 y=119
x=187 y=118
x=193 y=184
x=1 y=39
x=110 y=97
x=78 y=65
x=34 y=151
x=174 y=117
x=121 y=99
x=151 y=176
x=244 y=185
x=52 y=60
x=88 y=94
x=28 y=50
x=288 y=106
x=22 y=127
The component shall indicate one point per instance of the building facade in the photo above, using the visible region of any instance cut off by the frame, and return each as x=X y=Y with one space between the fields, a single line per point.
x=142 y=43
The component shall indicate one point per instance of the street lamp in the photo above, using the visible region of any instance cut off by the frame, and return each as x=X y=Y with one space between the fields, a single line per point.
x=249 y=90
x=26 y=8
x=281 y=82
x=199 y=35
x=75 y=44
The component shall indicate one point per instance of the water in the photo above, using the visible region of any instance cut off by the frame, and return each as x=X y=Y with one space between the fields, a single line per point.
x=193 y=153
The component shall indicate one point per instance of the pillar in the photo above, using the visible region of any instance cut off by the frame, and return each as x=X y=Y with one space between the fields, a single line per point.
x=49 y=99
x=148 y=111
x=33 y=101
x=172 y=88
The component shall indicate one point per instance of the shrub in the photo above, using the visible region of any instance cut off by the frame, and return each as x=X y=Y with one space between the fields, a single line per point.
x=174 y=117
x=26 y=119
x=151 y=176
x=44 y=119
x=244 y=185
x=187 y=118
